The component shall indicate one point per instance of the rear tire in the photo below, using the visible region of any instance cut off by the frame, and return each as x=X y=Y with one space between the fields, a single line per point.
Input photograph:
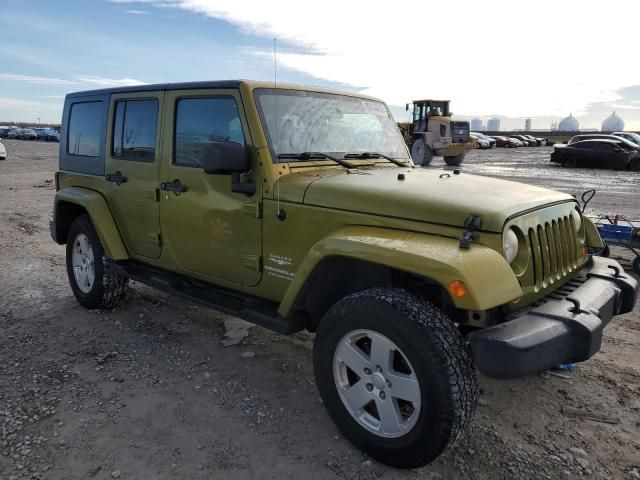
x=91 y=276
x=454 y=161
x=427 y=385
x=421 y=153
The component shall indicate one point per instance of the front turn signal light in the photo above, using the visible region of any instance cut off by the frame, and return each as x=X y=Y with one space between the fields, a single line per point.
x=457 y=288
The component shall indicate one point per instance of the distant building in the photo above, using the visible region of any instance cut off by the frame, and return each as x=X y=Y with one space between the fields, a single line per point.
x=477 y=125
x=613 y=123
x=493 y=125
x=569 y=124
x=527 y=125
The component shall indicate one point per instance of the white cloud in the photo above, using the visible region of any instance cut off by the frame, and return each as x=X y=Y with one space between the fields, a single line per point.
x=33 y=79
x=93 y=80
x=136 y=12
x=623 y=106
x=80 y=80
x=488 y=57
x=19 y=104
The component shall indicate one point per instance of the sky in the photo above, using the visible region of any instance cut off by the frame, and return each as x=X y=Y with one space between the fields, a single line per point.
x=541 y=60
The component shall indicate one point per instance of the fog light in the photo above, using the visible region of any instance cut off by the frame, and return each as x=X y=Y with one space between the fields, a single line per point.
x=457 y=288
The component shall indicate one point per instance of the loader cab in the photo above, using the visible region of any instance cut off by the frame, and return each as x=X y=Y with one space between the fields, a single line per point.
x=423 y=110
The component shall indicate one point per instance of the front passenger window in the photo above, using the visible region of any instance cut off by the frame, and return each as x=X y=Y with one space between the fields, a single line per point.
x=203 y=120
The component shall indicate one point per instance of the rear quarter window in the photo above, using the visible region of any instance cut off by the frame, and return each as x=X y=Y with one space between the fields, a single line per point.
x=84 y=130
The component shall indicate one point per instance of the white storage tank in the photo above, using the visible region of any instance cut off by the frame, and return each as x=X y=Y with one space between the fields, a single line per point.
x=613 y=123
x=527 y=125
x=477 y=125
x=569 y=124
x=493 y=125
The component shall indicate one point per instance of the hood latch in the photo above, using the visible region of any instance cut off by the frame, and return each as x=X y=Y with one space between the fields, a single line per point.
x=471 y=225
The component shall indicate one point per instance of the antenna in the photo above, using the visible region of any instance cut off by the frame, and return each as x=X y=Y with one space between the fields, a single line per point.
x=279 y=212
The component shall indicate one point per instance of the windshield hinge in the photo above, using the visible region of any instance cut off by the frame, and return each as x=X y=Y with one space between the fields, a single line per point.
x=471 y=225
x=253 y=208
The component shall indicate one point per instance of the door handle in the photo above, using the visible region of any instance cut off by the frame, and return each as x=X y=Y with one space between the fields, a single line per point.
x=175 y=187
x=116 y=178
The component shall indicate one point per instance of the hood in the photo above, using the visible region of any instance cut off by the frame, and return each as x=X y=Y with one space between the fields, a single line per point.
x=425 y=195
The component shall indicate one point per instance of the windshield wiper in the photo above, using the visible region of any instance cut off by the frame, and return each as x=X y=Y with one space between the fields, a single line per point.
x=313 y=156
x=375 y=155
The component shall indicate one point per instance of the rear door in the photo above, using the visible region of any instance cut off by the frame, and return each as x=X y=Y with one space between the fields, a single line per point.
x=208 y=229
x=134 y=148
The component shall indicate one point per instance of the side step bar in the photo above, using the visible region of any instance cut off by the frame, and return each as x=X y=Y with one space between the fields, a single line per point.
x=247 y=307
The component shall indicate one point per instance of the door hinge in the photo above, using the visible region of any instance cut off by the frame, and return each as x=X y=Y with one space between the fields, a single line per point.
x=155 y=239
x=253 y=208
x=252 y=262
x=153 y=195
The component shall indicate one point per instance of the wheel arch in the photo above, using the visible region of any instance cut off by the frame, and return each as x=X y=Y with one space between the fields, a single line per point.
x=72 y=202
x=355 y=258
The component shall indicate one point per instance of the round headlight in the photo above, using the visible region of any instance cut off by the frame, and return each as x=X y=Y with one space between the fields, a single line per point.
x=510 y=245
x=577 y=219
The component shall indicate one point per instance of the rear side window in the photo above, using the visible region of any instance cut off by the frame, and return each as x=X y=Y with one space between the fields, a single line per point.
x=203 y=120
x=134 y=130
x=85 y=121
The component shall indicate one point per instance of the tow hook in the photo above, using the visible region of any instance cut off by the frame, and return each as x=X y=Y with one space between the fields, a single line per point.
x=471 y=225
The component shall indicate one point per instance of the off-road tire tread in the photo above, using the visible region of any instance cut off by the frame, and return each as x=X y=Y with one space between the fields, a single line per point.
x=109 y=288
x=454 y=161
x=451 y=356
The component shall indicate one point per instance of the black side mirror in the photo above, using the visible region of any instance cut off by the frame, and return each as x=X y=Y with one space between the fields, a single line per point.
x=229 y=158
x=224 y=158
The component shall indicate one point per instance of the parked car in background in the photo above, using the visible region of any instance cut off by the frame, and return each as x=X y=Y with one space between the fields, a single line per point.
x=41 y=132
x=483 y=143
x=13 y=133
x=615 y=154
x=601 y=136
x=492 y=141
x=505 y=142
x=527 y=142
x=518 y=142
x=3 y=132
x=54 y=136
x=48 y=135
x=631 y=136
x=539 y=141
x=3 y=152
x=27 y=134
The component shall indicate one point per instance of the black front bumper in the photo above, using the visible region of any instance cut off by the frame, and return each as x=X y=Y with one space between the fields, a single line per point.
x=564 y=328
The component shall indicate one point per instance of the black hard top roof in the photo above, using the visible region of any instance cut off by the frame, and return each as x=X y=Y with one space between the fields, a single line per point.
x=161 y=86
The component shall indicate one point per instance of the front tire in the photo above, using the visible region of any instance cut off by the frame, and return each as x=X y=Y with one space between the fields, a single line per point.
x=91 y=276
x=454 y=161
x=395 y=375
x=421 y=153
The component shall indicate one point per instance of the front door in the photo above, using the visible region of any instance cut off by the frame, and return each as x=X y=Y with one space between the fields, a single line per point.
x=207 y=228
x=134 y=148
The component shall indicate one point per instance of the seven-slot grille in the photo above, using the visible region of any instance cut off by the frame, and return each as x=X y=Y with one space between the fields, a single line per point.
x=554 y=250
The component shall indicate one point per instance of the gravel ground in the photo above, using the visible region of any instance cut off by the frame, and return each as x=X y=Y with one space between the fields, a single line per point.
x=149 y=391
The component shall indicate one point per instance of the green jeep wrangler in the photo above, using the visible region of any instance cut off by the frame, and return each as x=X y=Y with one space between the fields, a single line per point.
x=300 y=208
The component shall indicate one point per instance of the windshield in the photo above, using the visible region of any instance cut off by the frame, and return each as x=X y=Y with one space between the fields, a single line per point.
x=301 y=121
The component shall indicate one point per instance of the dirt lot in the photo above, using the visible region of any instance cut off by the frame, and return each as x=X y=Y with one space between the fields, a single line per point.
x=148 y=390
